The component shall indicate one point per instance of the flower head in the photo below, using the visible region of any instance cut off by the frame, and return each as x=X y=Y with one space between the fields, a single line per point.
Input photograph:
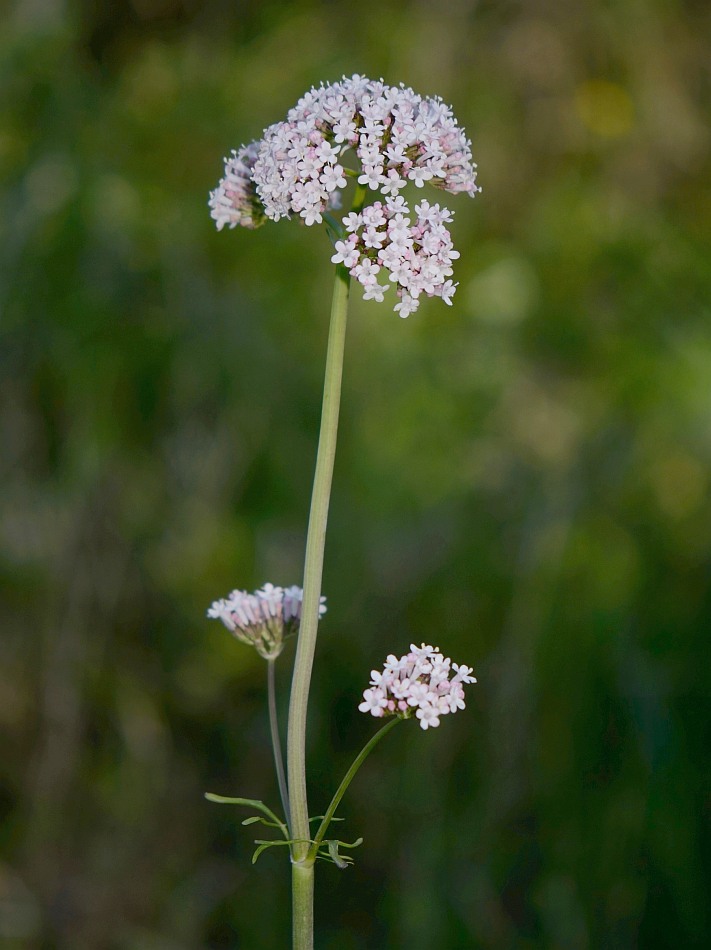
x=262 y=619
x=423 y=681
x=394 y=137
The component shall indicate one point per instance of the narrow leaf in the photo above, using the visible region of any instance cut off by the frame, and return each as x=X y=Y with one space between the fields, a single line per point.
x=259 y=850
x=335 y=856
x=263 y=845
x=356 y=843
x=249 y=803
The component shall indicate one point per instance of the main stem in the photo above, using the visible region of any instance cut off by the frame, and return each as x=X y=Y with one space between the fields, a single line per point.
x=313 y=570
x=302 y=896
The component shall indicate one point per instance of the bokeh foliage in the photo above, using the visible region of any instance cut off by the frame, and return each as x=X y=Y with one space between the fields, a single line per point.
x=522 y=479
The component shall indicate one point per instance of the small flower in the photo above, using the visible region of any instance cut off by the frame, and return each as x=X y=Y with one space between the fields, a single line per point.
x=419 y=682
x=398 y=206
x=375 y=292
x=264 y=618
x=372 y=176
x=333 y=178
x=374 y=215
x=346 y=254
x=353 y=221
x=463 y=673
x=406 y=305
x=374 y=702
x=428 y=716
x=446 y=291
x=392 y=183
x=419 y=174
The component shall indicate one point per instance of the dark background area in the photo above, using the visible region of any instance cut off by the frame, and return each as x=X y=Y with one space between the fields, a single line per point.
x=522 y=479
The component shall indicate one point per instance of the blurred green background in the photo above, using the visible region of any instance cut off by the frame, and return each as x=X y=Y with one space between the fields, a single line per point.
x=522 y=479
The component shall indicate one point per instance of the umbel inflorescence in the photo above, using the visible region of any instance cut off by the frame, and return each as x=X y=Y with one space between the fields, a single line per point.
x=393 y=137
x=423 y=682
x=262 y=619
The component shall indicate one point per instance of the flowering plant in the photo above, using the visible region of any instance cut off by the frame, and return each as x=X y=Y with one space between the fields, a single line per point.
x=380 y=139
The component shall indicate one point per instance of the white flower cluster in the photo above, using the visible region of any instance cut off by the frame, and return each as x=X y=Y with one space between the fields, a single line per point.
x=397 y=137
x=235 y=200
x=264 y=618
x=417 y=257
x=418 y=681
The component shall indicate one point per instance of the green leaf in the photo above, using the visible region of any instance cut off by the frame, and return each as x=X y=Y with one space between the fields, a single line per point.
x=356 y=844
x=263 y=845
x=325 y=856
x=335 y=856
x=263 y=821
x=248 y=803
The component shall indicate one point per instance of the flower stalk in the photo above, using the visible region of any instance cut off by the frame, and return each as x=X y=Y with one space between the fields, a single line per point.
x=313 y=567
x=343 y=787
x=276 y=741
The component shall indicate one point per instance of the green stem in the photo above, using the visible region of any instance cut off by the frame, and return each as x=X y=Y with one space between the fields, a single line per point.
x=334 y=227
x=361 y=193
x=302 y=895
x=276 y=741
x=302 y=863
x=313 y=568
x=347 y=779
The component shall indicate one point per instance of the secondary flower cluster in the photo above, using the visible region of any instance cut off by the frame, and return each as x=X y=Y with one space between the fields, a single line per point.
x=418 y=681
x=417 y=257
x=264 y=618
x=235 y=200
x=300 y=166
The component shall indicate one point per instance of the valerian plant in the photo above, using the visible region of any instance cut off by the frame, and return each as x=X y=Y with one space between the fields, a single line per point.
x=371 y=141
